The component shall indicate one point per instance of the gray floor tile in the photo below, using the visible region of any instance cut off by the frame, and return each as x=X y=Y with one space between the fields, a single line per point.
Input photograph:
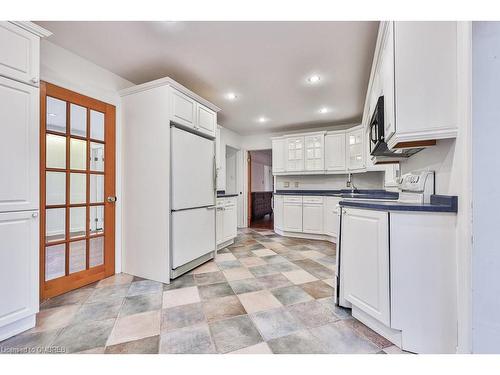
x=271 y=259
x=218 y=290
x=339 y=338
x=77 y=296
x=144 y=287
x=141 y=303
x=246 y=285
x=182 y=316
x=290 y=295
x=149 y=345
x=183 y=281
x=29 y=343
x=108 y=292
x=274 y=281
x=312 y=313
x=315 y=269
x=340 y=312
x=276 y=323
x=189 y=340
x=209 y=278
x=264 y=270
x=99 y=310
x=84 y=336
x=301 y=342
x=229 y=264
x=235 y=333
x=318 y=289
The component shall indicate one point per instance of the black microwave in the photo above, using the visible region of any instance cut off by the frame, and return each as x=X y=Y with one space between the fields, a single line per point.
x=377 y=140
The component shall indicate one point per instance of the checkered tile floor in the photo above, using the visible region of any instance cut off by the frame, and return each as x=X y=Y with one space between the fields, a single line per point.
x=264 y=294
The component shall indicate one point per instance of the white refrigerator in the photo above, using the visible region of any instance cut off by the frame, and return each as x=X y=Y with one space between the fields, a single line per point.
x=193 y=184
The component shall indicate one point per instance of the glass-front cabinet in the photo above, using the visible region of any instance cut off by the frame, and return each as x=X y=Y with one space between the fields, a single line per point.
x=355 y=149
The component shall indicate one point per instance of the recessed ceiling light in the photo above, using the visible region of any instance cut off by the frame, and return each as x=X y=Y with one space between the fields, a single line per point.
x=314 y=79
x=323 y=110
x=262 y=119
x=230 y=96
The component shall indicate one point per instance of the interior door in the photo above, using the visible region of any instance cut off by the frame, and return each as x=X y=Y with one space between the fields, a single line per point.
x=77 y=178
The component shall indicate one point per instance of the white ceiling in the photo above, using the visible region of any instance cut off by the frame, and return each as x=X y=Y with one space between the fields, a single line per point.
x=265 y=63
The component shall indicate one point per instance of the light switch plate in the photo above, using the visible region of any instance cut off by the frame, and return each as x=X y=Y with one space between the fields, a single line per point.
x=286 y=184
x=296 y=184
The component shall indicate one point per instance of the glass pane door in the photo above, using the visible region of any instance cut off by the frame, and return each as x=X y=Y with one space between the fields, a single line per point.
x=74 y=191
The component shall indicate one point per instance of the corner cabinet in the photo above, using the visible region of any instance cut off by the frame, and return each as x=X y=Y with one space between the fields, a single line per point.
x=189 y=113
x=367 y=255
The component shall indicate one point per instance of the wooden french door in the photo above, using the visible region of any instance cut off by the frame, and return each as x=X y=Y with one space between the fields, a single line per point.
x=77 y=192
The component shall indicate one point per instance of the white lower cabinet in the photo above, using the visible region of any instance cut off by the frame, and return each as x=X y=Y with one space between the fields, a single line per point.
x=278 y=211
x=312 y=215
x=226 y=220
x=331 y=216
x=365 y=251
x=292 y=213
x=18 y=270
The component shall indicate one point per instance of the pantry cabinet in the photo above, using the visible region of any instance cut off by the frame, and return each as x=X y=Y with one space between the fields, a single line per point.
x=19 y=146
x=187 y=112
x=292 y=213
x=365 y=251
x=312 y=211
x=20 y=54
x=279 y=155
x=335 y=152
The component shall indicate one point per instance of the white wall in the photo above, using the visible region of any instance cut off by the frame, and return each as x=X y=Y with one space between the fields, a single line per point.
x=367 y=180
x=66 y=69
x=231 y=170
x=486 y=182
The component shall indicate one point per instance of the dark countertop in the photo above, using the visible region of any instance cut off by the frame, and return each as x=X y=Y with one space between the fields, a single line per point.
x=344 y=193
x=439 y=203
x=222 y=194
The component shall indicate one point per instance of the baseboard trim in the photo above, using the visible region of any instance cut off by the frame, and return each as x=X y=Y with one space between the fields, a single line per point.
x=307 y=236
x=225 y=244
x=17 y=327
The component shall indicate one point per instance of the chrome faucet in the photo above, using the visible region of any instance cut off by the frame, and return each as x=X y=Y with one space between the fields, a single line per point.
x=349 y=183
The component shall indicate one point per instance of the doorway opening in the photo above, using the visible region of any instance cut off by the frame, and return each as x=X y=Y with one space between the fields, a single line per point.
x=260 y=189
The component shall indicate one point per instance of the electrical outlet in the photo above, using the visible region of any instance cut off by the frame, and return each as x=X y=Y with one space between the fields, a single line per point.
x=286 y=184
x=296 y=184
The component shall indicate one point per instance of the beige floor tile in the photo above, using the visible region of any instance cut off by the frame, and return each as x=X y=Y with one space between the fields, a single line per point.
x=225 y=257
x=259 y=301
x=252 y=261
x=299 y=276
x=330 y=282
x=261 y=348
x=207 y=267
x=57 y=317
x=183 y=296
x=135 y=327
x=239 y=273
x=118 y=279
x=263 y=252
x=311 y=254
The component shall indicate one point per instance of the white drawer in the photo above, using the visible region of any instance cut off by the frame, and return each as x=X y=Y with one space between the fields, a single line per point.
x=292 y=199
x=312 y=199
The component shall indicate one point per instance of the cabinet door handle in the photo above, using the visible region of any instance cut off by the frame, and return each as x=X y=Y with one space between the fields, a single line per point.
x=34 y=214
x=34 y=80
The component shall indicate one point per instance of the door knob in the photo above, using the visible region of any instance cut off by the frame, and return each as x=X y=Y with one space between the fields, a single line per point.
x=111 y=199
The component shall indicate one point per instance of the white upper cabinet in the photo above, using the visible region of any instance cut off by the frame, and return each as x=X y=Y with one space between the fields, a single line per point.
x=279 y=155
x=19 y=146
x=355 y=144
x=314 y=158
x=19 y=54
x=187 y=112
x=207 y=120
x=183 y=109
x=295 y=154
x=335 y=152
x=387 y=81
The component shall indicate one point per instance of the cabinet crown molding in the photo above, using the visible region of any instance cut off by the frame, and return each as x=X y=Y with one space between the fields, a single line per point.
x=167 y=81
x=33 y=28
